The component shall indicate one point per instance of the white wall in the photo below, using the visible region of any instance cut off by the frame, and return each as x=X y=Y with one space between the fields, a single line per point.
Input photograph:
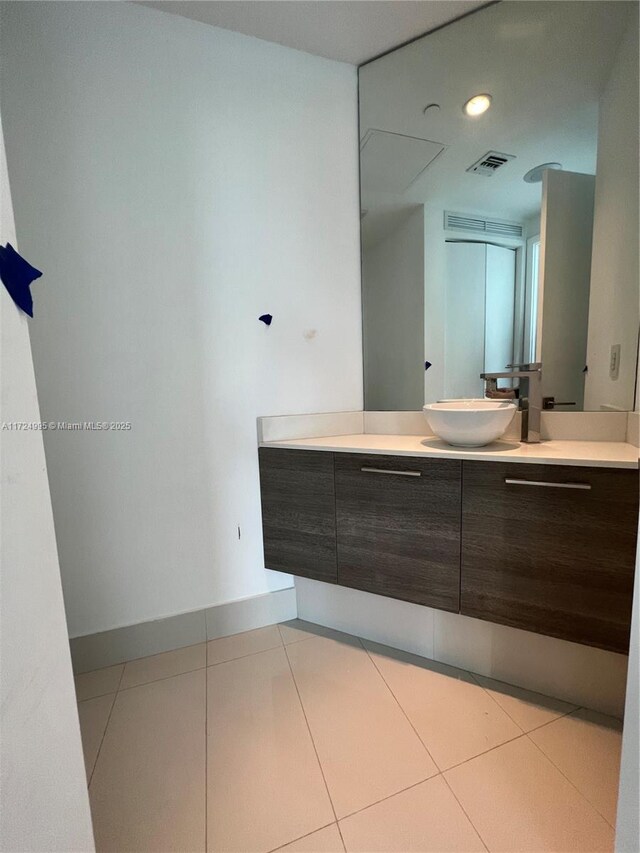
x=39 y=732
x=175 y=181
x=566 y=229
x=614 y=306
x=531 y=226
x=435 y=301
x=393 y=308
x=465 y=285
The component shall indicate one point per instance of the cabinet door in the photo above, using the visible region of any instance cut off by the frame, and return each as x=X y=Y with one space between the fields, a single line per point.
x=398 y=527
x=550 y=549
x=298 y=512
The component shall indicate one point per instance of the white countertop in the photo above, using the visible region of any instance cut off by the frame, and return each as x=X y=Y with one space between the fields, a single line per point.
x=600 y=454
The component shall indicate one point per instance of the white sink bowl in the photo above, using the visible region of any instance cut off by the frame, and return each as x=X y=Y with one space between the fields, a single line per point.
x=469 y=423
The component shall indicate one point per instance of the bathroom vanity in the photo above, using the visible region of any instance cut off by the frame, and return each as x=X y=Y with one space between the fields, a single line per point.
x=536 y=545
x=493 y=265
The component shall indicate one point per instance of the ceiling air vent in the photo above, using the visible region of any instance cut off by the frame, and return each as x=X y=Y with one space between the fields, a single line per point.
x=459 y=222
x=490 y=163
x=464 y=222
x=507 y=229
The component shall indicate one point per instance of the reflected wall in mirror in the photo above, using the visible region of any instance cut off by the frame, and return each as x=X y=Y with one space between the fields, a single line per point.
x=510 y=235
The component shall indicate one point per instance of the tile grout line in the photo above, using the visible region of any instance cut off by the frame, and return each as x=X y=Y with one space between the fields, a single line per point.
x=573 y=785
x=391 y=796
x=240 y=657
x=300 y=837
x=527 y=734
x=485 y=752
x=95 y=763
x=204 y=642
x=295 y=683
x=574 y=710
x=313 y=636
x=566 y=714
x=313 y=743
x=535 y=728
x=495 y=701
x=163 y=678
x=460 y=763
x=154 y=655
x=550 y=722
x=104 y=733
x=440 y=772
x=338 y=827
x=97 y=696
x=180 y=648
x=464 y=811
x=186 y=671
x=397 y=701
x=120 y=689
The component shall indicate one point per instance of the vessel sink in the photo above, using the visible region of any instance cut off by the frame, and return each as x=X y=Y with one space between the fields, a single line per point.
x=469 y=423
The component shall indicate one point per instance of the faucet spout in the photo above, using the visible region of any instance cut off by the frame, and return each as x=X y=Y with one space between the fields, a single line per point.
x=529 y=398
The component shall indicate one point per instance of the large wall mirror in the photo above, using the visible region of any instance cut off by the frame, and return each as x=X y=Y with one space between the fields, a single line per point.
x=499 y=206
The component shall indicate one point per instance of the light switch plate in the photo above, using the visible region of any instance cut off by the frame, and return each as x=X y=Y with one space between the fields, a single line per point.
x=614 y=362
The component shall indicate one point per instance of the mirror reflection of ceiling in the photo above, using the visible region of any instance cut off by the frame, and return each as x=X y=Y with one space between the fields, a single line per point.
x=515 y=51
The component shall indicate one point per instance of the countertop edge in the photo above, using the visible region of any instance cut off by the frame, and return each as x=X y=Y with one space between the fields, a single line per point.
x=621 y=454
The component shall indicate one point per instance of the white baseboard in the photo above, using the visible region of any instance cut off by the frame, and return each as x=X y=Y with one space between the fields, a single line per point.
x=107 y=648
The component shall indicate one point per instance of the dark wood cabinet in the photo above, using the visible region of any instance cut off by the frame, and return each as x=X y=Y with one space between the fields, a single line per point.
x=298 y=512
x=545 y=548
x=398 y=527
x=550 y=549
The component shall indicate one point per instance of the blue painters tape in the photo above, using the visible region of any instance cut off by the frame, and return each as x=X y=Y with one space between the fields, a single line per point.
x=17 y=274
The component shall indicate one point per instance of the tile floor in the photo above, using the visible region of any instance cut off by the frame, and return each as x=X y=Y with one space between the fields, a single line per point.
x=298 y=738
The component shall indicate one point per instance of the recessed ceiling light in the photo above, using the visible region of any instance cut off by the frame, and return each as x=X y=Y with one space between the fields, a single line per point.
x=534 y=176
x=431 y=110
x=477 y=105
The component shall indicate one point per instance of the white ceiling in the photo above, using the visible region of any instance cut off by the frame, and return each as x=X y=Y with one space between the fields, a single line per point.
x=545 y=64
x=352 y=31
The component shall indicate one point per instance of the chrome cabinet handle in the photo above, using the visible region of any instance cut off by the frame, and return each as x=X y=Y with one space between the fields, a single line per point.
x=549 y=485
x=389 y=471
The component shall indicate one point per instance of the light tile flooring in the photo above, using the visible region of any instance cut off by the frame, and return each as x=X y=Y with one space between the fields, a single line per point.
x=297 y=738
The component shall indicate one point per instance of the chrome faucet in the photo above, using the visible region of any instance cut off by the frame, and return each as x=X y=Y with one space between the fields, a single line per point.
x=529 y=395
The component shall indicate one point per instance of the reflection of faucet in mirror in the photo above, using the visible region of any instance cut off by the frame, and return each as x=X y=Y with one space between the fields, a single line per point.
x=529 y=395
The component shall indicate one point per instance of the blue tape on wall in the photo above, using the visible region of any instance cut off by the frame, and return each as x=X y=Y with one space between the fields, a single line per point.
x=266 y=319
x=16 y=275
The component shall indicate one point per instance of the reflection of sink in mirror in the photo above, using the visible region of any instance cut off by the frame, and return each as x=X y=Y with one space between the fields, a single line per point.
x=469 y=423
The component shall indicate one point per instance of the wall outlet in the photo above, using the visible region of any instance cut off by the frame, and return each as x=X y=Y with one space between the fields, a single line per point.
x=614 y=362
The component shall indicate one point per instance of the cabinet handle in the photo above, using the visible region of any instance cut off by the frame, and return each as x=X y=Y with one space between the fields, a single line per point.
x=549 y=485
x=388 y=471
